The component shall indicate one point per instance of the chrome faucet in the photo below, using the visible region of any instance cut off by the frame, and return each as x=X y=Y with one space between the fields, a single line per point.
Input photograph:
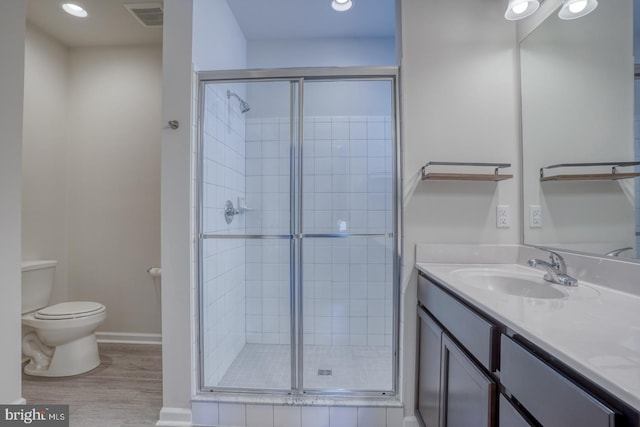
x=556 y=270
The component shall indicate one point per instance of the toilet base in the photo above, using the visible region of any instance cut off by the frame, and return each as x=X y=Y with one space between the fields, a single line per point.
x=73 y=358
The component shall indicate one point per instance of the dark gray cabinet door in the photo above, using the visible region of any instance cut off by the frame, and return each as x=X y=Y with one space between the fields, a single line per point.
x=429 y=353
x=509 y=416
x=468 y=394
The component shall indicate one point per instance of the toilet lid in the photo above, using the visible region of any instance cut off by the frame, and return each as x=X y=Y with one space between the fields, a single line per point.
x=69 y=310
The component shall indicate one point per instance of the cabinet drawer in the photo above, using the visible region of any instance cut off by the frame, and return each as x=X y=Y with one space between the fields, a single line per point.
x=548 y=396
x=474 y=332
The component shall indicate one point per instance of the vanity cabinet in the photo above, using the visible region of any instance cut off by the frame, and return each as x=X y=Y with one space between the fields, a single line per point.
x=551 y=398
x=454 y=354
x=472 y=371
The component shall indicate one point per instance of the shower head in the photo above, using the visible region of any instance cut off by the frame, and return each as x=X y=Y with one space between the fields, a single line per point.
x=244 y=107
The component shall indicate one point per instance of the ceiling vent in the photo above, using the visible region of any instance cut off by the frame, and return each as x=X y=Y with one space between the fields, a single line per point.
x=148 y=14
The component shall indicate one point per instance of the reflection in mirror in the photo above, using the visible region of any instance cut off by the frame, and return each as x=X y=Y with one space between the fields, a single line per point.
x=578 y=107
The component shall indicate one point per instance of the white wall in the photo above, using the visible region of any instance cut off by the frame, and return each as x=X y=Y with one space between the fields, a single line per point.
x=220 y=43
x=113 y=176
x=91 y=171
x=178 y=329
x=529 y=24
x=458 y=104
x=338 y=52
x=44 y=151
x=12 y=46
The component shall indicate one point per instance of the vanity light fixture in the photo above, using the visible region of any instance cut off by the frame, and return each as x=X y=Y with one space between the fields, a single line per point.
x=75 y=10
x=520 y=9
x=341 y=5
x=572 y=9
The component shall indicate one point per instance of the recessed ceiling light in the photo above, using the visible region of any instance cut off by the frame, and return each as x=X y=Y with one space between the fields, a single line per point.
x=341 y=5
x=75 y=10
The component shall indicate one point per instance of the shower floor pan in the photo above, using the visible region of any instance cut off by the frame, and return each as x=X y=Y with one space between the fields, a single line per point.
x=268 y=366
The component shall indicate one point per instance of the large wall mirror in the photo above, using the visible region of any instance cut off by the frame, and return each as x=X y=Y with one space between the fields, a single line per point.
x=578 y=111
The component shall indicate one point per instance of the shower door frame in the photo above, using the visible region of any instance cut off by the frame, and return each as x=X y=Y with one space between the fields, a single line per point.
x=297 y=78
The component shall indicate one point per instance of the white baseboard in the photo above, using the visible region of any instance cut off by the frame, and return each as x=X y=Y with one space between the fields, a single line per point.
x=174 y=417
x=21 y=401
x=128 y=338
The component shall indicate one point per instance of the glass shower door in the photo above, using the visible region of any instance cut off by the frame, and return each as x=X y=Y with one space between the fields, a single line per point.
x=348 y=223
x=246 y=240
x=297 y=235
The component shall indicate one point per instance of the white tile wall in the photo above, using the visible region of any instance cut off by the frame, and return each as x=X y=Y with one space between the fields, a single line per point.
x=315 y=416
x=224 y=317
x=345 y=417
x=260 y=415
x=372 y=417
x=232 y=414
x=347 y=188
x=287 y=416
x=241 y=415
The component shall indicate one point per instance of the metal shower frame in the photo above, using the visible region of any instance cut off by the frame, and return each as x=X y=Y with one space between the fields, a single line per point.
x=297 y=77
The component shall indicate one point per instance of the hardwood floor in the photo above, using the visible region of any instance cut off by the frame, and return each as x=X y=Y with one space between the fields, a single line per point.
x=124 y=391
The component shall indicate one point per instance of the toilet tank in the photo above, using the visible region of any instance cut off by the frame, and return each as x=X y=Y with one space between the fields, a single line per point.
x=37 y=284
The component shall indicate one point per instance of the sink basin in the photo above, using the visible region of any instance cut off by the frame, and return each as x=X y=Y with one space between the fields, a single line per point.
x=508 y=282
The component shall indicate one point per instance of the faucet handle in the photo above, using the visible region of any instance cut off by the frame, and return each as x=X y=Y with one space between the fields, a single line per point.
x=557 y=261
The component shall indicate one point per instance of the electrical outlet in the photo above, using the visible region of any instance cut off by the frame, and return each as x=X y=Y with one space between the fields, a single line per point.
x=535 y=216
x=502 y=216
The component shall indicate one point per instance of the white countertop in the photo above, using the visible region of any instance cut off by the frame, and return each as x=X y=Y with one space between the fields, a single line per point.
x=594 y=329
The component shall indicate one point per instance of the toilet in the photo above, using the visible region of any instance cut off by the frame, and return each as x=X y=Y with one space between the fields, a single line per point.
x=57 y=340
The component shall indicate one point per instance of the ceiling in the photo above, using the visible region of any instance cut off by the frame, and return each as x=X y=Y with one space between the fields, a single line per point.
x=276 y=19
x=109 y=22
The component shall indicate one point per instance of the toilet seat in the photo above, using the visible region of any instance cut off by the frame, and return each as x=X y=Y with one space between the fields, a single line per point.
x=70 y=310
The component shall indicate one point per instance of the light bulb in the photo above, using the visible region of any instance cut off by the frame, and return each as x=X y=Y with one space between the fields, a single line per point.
x=341 y=5
x=573 y=9
x=75 y=10
x=578 y=6
x=520 y=8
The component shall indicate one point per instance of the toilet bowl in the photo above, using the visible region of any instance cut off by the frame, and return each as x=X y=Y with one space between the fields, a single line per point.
x=58 y=340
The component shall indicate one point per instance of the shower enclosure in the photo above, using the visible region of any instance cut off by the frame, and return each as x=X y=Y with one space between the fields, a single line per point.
x=298 y=229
